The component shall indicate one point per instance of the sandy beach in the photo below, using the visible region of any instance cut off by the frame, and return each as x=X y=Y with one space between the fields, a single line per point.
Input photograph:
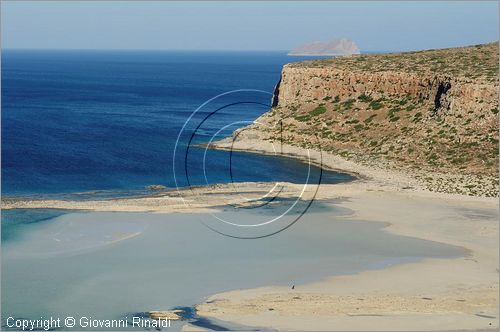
x=433 y=294
x=429 y=295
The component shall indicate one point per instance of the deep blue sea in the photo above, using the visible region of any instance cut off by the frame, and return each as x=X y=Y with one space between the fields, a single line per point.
x=100 y=122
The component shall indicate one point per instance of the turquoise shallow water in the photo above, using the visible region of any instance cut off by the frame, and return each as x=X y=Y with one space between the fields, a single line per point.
x=110 y=265
x=16 y=222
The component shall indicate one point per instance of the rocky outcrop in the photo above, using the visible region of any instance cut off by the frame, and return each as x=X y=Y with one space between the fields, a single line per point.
x=165 y=314
x=156 y=187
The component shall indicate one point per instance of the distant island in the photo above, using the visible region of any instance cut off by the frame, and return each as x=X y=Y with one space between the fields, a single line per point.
x=335 y=47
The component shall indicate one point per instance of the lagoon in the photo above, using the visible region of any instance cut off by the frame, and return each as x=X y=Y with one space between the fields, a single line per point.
x=114 y=265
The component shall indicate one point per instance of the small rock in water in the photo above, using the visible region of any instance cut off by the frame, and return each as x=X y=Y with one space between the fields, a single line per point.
x=156 y=187
x=172 y=315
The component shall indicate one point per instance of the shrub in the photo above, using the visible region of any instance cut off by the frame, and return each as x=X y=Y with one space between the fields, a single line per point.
x=370 y=118
x=348 y=103
x=302 y=118
x=410 y=108
x=318 y=110
x=393 y=111
x=359 y=127
x=375 y=105
x=364 y=98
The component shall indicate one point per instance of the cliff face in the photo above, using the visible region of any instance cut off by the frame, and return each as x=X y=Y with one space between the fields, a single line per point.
x=429 y=112
x=303 y=85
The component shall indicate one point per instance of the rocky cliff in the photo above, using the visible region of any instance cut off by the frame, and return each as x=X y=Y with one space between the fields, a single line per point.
x=432 y=114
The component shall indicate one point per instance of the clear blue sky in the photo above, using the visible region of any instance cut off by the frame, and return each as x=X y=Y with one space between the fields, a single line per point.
x=373 y=25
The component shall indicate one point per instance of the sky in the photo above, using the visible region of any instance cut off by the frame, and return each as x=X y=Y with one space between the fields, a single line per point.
x=253 y=25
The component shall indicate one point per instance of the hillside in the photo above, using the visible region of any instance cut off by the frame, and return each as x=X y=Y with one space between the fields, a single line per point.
x=430 y=114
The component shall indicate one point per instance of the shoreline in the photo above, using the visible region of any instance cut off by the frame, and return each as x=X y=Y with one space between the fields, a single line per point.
x=200 y=199
x=374 y=176
x=388 y=178
x=183 y=199
x=432 y=294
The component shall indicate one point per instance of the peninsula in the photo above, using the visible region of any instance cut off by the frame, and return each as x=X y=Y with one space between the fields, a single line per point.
x=431 y=116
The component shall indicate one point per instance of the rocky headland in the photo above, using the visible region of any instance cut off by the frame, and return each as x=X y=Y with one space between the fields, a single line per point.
x=431 y=116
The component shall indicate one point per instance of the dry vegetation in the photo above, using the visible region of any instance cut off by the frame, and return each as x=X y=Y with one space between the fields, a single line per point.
x=478 y=62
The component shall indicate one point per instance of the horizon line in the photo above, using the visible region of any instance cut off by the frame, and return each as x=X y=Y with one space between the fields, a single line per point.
x=218 y=50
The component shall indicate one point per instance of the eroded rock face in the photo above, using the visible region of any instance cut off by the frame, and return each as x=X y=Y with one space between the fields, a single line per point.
x=427 y=112
x=305 y=85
